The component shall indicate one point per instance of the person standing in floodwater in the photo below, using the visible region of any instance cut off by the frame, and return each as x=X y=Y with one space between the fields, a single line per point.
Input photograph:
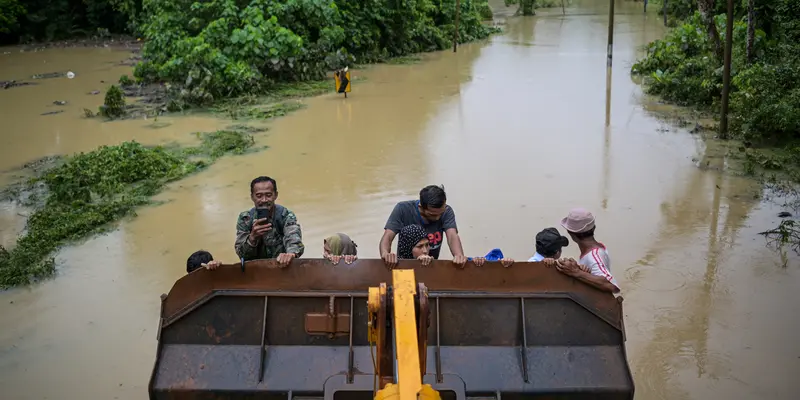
x=268 y=230
x=433 y=215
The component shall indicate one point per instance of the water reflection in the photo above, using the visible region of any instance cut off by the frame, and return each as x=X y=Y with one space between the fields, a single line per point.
x=688 y=322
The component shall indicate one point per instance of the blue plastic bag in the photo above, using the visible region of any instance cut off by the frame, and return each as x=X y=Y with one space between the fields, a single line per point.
x=494 y=255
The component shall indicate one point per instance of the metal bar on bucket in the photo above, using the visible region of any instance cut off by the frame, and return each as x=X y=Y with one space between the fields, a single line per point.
x=263 y=350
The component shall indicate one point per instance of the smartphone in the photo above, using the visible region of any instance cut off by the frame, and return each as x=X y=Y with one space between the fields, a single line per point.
x=263 y=213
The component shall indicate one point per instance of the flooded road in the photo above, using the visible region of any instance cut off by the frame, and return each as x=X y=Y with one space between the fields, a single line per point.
x=513 y=127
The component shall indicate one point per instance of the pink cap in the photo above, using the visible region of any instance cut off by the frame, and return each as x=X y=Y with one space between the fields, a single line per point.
x=579 y=220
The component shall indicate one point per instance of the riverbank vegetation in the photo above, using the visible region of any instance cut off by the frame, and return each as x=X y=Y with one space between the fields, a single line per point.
x=114 y=104
x=225 y=48
x=686 y=68
x=222 y=49
x=80 y=195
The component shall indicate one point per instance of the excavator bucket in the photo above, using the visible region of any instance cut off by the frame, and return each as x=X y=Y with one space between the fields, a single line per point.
x=318 y=331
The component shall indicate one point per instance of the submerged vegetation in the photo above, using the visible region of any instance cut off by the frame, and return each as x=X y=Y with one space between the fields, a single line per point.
x=85 y=193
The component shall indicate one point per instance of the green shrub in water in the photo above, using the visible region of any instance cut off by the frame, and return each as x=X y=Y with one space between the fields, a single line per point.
x=114 y=104
x=126 y=80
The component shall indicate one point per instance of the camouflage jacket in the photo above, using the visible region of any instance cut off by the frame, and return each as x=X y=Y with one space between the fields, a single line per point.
x=284 y=237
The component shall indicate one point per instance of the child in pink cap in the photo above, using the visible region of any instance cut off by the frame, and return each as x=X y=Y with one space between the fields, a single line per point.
x=594 y=266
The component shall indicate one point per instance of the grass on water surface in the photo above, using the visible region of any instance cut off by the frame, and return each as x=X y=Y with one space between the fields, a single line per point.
x=281 y=100
x=87 y=192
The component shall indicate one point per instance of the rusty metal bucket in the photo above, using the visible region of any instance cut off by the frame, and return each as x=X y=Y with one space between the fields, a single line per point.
x=301 y=332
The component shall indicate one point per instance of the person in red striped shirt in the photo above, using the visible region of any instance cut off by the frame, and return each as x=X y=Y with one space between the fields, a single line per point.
x=594 y=266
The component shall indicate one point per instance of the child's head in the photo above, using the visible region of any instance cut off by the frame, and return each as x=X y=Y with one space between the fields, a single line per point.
x=549 y=243
x=339 y=245
x=196 y=260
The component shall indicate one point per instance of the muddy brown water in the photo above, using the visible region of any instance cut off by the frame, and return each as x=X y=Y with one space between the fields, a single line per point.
x=515 y=129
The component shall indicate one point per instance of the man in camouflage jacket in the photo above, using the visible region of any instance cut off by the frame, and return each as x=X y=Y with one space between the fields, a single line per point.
x=280 y=238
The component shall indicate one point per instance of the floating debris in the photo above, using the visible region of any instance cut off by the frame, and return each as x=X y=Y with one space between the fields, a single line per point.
x=11 y=84
x=52 y=112
x=60 y=102
x=49 y=75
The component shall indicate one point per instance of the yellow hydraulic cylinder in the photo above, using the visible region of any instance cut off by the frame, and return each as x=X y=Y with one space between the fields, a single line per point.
x=392 y=392
x=405 y=328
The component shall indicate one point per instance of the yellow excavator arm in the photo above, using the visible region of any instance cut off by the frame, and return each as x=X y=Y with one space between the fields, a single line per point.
x=406 y=342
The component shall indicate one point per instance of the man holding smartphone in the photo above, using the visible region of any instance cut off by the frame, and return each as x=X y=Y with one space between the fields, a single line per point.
x=268 y=230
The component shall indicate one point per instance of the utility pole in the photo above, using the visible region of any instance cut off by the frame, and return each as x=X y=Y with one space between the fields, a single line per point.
x=726 y=73
x=664 y=10
x=610 y=51
x=609 y=61
x=455 y=34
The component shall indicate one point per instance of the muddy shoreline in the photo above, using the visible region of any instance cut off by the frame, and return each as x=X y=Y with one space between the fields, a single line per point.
x=116 y=42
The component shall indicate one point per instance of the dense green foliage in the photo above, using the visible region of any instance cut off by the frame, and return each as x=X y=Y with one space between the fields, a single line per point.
x=482 y=6
x=88 y=191
x=765 y=95
x=766 y=11
x=226 y=48
x=28 y=20
x=221 y=48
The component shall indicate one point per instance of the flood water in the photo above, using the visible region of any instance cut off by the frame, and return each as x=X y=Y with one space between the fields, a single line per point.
x=514 y=128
